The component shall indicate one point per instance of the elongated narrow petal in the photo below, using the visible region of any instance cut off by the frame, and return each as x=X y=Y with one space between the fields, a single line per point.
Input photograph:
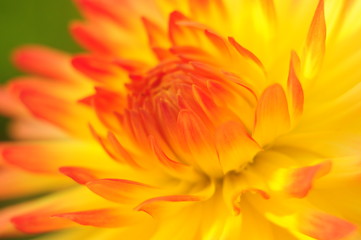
x=46 y=62
x=62 y=154
x=294 y=88
x=106 y=218
x=120 y=190
x=39 y=223
x=79 y=174
x=325 y=227
x=316 y=41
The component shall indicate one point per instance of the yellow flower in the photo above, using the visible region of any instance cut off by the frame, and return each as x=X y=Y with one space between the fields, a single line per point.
x=200 y=119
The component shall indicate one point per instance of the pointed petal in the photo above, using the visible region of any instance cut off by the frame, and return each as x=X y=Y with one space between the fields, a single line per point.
x=39 y=223
x=195 y=137
x=98 y=69
x=322 y=226
x=45 y=62
x=153 y=205
x=235 y=146
x=88 y=38
x=298 y=182
x=157 y=36
x=104 y=218
x=48 y=157
x=272 y=117
x=16 y=183
x=295 y=90
x=164 y=159
x=120 y=190
x=79 y=174
x=245 y=52
x=315 y=45
x=57 y=111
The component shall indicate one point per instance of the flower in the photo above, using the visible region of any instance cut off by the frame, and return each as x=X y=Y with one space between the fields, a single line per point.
x=190 y=120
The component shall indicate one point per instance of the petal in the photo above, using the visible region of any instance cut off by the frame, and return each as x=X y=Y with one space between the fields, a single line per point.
x=37 y=216
x=322 y=226
x=245 y=52
x=96 y=10
x=159 y=206
x=294 y=88
x=196 y=138
x=47 y=157
x=30 y=129
x=39 y=223
x=272 y=117
x=165 y=160
x=315 y=45
x=157 y=37
x=87 y=37
x=104 y=218
x=98 y=69
x=16 y=183
x=45 y=62
x=120 y=190
x=298 y=182
x=317 y=225
x=57 y=111
x=153 y=206
x=235 y=146
x=9 y=104
x=79 y=174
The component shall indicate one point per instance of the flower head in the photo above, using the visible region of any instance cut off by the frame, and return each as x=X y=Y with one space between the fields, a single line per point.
x=190 y=120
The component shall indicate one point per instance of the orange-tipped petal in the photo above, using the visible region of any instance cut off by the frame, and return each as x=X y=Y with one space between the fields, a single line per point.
x=30 y=129
x=54 y=110
x=88 y=38
x=39 y=223
x=298 y=182
x=315 y=45
x=100 y=10
x=195 y=137
x=235 y=146
x=192 y=132
x=104 y=218
x=9 y=104
x=79 y=174
x=164 y=159
x=158 y=206
x=119 y=152
x=16 y=183
x=322 y=226
x=174 y=30
x=157 y=36
x=153 y=206
x=34 y=157
x=95 y=68
x=120 y=190
x=245 y=52
x=45 y=62
x=294 y=88
x=301 y=180
x=272 y=117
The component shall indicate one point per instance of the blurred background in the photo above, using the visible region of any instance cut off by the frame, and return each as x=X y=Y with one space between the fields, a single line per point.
x=31 y=22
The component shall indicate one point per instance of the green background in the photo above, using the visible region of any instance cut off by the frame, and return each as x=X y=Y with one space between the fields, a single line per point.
x=32 y=22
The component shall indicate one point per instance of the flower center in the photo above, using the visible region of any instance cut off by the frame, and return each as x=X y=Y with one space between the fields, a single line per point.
x=195 y=112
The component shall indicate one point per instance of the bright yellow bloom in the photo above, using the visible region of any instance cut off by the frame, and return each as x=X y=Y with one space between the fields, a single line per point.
x=199 y=119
